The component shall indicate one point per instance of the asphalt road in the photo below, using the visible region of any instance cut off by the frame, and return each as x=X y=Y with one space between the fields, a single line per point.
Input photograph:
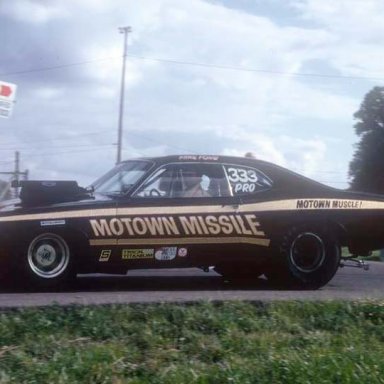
x=188 y=285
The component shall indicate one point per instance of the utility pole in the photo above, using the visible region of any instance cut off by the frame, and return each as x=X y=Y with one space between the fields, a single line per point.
x=17 y=167
x=125 y=31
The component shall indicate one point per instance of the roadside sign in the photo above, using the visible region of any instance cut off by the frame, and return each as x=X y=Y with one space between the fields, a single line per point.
x=7 y=98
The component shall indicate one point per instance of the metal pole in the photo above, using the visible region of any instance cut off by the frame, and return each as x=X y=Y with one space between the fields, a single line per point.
x=124 y=30
x=17 y=171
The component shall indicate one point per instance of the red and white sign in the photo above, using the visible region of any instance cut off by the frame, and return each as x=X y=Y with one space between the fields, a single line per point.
x=7 y=98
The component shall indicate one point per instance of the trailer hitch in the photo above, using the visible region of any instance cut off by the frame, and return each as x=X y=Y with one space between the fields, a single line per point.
x=353 y=261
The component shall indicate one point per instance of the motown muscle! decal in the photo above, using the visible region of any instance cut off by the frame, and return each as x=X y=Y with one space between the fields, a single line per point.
x=197 y=228
x=328 y=204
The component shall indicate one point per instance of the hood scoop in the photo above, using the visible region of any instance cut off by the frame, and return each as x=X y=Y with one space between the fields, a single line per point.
x=39 y=192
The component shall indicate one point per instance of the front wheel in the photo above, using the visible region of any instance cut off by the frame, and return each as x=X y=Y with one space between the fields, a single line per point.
x=307 y=257
x=47 y=261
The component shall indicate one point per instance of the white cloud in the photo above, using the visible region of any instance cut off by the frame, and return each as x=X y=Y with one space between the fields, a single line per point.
x=48 y=93
x=205 y=109
x=304 y=155
x=310 y=157
x=33 y=11
x=357 y=28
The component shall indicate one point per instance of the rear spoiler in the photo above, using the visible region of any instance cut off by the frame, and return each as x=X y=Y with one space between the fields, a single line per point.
x=41 y=192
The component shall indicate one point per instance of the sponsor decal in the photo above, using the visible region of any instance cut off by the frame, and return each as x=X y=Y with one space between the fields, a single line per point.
x=131 y=254
x=182 y=252
x=328 y=204
x=166 y=253
x=199 y=157
x=105 y=254
x=46 y=223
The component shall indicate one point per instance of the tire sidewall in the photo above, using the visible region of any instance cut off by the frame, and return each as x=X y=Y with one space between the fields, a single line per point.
x=328 y=263
x=31 y=278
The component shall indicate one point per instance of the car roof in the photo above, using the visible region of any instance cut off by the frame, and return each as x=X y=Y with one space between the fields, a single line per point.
x=262 y=165
x=281 y=176
x=204 y=158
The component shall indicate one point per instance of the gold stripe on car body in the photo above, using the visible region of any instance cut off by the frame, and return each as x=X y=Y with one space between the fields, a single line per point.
x=271 y=206
x=103 y=242
x=181 y=240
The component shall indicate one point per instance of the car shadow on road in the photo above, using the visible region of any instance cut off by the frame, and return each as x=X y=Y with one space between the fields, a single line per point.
x=108 y=283
x=174 y=283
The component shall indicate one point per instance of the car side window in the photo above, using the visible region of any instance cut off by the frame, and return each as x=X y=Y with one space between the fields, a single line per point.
x=157 y=185
x=186 y=180
x=246 y=180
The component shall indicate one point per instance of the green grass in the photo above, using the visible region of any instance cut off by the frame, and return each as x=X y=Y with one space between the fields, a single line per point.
x=233 y=342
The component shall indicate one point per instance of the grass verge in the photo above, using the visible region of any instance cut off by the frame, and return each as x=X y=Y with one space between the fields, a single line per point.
x=232 y=342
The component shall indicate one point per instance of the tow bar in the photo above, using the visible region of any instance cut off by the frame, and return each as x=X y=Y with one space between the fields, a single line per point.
x=355 y=262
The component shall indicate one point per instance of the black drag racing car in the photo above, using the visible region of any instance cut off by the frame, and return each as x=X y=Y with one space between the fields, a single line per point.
x=242 y=216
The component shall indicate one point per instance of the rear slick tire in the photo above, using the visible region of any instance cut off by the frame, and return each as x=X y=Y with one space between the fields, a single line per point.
x=308 y=257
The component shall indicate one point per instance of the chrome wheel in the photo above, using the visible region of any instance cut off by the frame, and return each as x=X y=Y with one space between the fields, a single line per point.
x=48 y=255
x=307 y=252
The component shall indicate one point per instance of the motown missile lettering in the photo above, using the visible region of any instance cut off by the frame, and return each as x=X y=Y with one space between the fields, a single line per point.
x=188 y=225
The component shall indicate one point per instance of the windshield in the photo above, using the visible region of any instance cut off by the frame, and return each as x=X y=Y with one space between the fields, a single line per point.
x=119 y=180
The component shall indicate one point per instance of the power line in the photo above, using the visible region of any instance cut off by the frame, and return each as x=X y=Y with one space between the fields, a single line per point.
x=5 y=146
x=92 y=145
x=198 y=64
x=59 y=147
x=6 y=162
x=54 y=67
x=167 y=145
x=256 y=70
x=75 y=151
x=63 y=153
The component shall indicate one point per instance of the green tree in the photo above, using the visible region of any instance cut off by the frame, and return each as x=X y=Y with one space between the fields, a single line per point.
x=366 y=169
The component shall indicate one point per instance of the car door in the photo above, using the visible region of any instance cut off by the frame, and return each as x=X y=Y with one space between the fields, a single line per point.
x=104 y=228
x=178 y=216
x=253 y=190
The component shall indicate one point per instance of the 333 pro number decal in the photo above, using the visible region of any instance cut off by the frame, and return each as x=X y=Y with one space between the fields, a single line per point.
x=240 y=175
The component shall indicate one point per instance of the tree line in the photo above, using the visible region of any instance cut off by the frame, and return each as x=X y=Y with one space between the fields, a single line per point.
x=366 y=169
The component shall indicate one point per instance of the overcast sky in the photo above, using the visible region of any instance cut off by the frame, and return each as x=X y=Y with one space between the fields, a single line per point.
x=279 y=78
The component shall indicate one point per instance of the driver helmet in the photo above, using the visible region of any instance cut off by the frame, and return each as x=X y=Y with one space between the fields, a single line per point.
x=191 y=177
